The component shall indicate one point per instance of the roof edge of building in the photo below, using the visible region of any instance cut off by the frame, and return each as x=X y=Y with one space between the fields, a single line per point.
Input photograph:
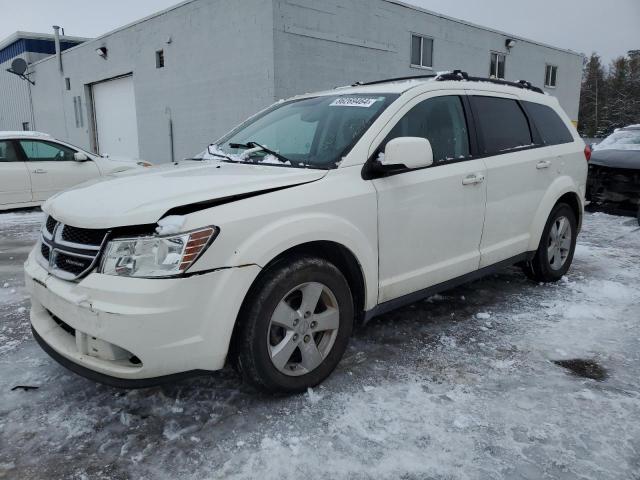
x=481 y=27
x=124 y=27
x=20 y=35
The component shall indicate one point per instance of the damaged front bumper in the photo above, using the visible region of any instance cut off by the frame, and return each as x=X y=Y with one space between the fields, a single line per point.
x=132 y=332
x=613 y=185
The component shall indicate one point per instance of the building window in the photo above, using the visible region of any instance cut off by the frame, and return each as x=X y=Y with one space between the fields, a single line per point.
x=160 y=59
x=25 y=126
x=496 y=69
x=550 y=76
x=67 y=83
x=421 y=51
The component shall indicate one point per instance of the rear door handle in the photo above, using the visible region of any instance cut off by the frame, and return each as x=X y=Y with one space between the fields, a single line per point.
x=39 y=170
x=473 y=179
x=543 y=164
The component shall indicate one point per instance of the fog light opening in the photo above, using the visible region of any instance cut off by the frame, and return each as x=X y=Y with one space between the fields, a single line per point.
x=135 y=360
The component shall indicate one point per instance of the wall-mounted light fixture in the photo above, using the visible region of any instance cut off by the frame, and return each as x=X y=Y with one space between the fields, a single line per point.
x=102 y=52
x=510 y=43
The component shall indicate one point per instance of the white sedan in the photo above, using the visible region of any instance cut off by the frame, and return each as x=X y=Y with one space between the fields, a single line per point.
x=34 y=166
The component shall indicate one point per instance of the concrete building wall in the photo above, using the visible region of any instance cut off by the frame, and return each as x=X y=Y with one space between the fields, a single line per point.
x=323 y=44
x=15 y=104
x=218 y=70
x=225 y=60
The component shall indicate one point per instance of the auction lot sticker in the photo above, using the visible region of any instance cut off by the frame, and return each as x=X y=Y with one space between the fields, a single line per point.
x=353 y=102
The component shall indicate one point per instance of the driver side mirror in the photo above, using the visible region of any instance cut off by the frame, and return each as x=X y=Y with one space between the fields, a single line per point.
x=407 y=152
x=80 y=157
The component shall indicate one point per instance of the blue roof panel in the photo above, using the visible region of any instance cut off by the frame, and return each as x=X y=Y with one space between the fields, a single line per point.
x=35 y=45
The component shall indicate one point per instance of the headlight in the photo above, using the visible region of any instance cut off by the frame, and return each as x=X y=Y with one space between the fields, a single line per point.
x=156 y=256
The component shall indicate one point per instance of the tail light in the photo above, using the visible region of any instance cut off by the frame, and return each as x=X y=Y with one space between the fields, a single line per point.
x=587 y=152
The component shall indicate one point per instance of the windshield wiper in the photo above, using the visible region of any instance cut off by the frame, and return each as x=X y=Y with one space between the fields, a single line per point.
x=218 y=154
x=249 y=145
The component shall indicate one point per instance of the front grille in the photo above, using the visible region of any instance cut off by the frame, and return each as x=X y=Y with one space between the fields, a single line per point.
x=51 y=223
x=45 y=250
x=71 y=252
x=64 y=326
x=83 y=236
x=71 y=263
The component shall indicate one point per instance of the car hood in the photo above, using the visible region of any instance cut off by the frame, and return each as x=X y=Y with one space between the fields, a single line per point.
x=616 y=158
x=143 y=196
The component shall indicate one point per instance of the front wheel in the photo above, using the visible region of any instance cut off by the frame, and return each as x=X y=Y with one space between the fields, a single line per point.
x=557 y=246
x=294 y=326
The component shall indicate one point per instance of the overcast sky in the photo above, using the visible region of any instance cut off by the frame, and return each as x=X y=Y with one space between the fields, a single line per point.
x=607 y=27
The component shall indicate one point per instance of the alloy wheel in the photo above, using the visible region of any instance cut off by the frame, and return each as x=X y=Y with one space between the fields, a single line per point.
x=303 y=329
x=559 y=242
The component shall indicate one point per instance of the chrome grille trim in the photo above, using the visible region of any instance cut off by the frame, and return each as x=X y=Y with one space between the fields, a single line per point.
x=54 y=241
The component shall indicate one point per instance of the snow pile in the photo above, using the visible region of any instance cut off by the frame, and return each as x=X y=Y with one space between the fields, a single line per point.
x=462 y=386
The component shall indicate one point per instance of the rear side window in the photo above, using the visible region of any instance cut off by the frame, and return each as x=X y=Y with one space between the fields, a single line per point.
x=502 y=123
x=550 y=126
x=7 y=152
x=440 y=120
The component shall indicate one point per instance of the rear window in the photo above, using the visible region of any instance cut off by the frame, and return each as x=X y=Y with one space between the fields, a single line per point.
x=550 y=126
x=502 y=124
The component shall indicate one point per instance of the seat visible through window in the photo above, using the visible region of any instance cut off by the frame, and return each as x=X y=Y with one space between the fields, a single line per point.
x=440 y=120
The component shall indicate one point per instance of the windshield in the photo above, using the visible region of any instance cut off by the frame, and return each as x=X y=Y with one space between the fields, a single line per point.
x=621 y=140
x=313 y=132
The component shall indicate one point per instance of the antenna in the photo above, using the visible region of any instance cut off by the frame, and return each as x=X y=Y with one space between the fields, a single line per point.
x=19 y=67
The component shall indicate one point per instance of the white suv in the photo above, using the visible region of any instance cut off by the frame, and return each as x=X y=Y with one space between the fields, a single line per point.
x=34 y=166
x=315 y=214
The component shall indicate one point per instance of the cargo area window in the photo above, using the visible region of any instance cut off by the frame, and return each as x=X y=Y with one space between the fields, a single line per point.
x=496 y=67
x=550 y=76
x=421 y=51
x=550 y=126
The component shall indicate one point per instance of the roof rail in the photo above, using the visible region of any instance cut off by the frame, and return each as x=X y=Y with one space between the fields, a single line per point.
x=460 y=75
x=397 y=79
x=456 y=75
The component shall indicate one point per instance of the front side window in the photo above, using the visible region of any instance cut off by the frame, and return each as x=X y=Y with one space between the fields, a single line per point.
x=312 y=132
x=421 y=51
x=550 y=76
x=440 y=120
x=8 y=152
x=502 y=123
x=496 y=67
x=39 y=151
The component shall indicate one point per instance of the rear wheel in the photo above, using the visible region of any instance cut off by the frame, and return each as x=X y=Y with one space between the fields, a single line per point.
x=295 y=325
x=557 y=246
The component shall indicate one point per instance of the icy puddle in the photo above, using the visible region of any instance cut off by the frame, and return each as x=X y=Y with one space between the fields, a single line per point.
x=460 y=386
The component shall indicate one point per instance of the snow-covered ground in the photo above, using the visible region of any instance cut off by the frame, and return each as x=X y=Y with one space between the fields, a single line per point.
x=463 y=385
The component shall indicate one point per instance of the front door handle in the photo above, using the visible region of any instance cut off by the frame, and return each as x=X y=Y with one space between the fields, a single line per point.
x=473 y=179
x=543 y=164
x=39 y=170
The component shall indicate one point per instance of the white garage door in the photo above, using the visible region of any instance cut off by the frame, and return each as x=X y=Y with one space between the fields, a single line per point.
x=114 y=106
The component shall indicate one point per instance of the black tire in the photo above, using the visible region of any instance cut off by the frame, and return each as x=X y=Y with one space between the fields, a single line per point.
x=638 y=215
x=251 y=354
x=540 y=268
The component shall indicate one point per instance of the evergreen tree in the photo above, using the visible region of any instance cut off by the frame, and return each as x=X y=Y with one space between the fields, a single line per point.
x=592 y=97
x=610 y=99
